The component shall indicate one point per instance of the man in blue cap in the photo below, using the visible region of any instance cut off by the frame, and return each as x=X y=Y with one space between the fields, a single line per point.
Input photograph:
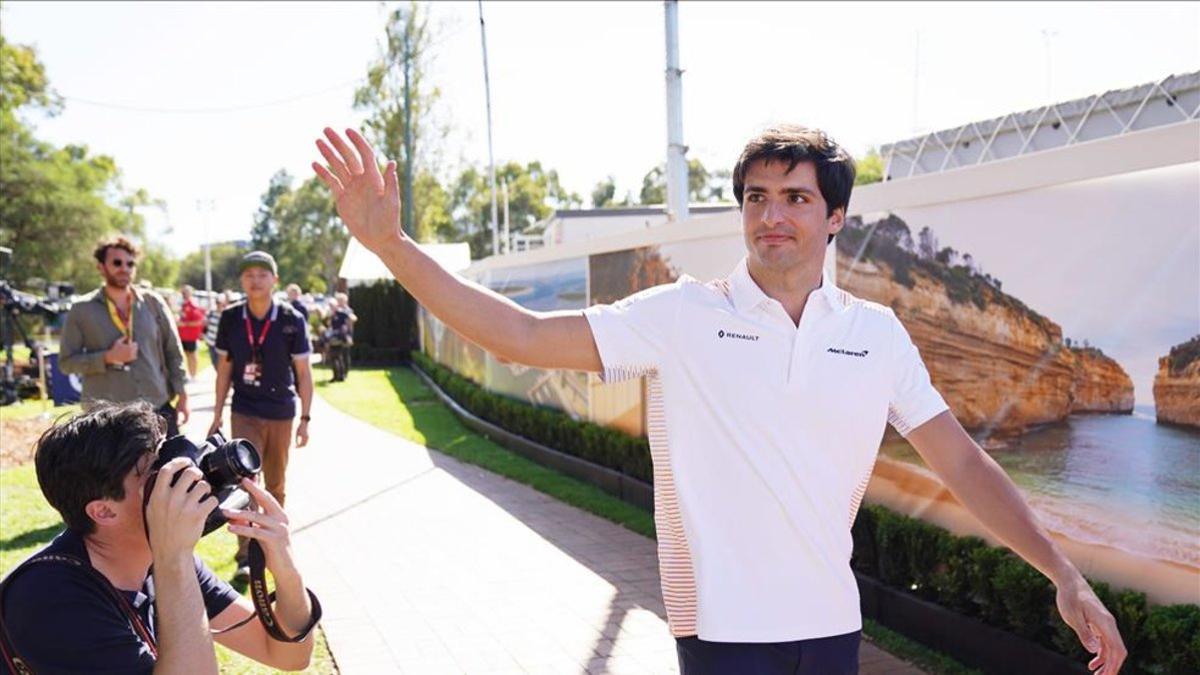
x=264 y=354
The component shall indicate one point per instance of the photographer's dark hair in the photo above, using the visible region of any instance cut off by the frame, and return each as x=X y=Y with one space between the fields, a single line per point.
x=101 y=251
x=88 y=456
x=792 y=144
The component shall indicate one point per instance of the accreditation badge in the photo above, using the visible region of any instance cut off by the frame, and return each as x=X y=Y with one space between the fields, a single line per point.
x=252 y=374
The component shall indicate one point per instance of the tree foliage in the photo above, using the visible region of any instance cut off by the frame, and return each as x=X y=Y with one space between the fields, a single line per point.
x=55 y=202
x=703 y=186
x=870 y=168
x=301 y=229
x=225 y=259
x=399 y=101
x=533 y=193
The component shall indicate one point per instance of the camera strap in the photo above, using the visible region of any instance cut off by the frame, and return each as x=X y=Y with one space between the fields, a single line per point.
x=263 y=599
x=13 y=662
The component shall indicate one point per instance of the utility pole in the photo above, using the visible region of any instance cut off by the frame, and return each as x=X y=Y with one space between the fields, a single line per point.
x=507 y=243
x=677 y=168
x=205 y=207
x=487 y=91
x=407 y=216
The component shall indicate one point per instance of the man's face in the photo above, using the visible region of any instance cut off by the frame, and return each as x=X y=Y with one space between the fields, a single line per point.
x=257 y=283
x=119 y=268
x=784 y=219
x=293 y=294
x=186 y=293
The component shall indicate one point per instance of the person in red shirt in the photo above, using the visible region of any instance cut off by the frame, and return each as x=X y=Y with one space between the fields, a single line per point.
x=191 y=327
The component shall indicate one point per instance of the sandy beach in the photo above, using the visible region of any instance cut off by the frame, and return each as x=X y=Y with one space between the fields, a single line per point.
x=916 y=492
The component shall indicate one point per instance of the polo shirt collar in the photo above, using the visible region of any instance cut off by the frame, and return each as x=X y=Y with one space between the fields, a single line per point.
x=247 y=315
x=747 y=295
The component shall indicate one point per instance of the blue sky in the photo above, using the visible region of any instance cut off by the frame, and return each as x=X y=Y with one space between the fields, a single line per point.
x=205 y=101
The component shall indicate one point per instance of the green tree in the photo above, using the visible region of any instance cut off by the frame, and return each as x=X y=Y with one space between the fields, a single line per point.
x=55 y=202
x=604 y=193
x=399 y=101
x=654 y=184
x=160 y=267
x=533 y=194
x=870 y=168
x=225 y=258
x=301 y=229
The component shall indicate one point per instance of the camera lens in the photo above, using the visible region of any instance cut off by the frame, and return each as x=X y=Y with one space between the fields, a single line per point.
x=230 y=462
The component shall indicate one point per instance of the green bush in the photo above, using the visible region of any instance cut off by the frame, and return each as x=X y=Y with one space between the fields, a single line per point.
x=1173 y=634
x=592 y=442
x=967 y=575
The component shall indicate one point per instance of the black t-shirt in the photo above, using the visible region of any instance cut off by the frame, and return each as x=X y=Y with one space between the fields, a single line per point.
x=274 y=395
x=60 y=619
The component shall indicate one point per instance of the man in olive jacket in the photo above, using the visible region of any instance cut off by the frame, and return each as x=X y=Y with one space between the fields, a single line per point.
x=123 y=341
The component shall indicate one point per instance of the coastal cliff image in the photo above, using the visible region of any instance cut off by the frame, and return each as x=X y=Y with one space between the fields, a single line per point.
x=1177 y=385
x=1001 y=366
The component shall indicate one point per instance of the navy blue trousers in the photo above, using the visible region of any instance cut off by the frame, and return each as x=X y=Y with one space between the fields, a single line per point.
x=836 y=655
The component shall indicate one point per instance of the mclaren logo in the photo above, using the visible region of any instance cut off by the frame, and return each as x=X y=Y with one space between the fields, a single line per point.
x=722 y=334
x=847 y=352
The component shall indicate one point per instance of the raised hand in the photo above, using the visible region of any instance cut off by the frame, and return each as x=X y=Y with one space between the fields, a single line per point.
x=367 y=201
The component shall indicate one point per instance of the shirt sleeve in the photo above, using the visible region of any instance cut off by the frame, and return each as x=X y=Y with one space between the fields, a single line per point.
x=172 y=347
x=217 y=593
x=914 y=401
x=300 y=346
x=51 y=602
x=72 y=357
x=633 y=334
x=224 y=331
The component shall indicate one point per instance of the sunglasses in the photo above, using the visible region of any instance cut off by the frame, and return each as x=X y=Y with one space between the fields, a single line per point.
x=124 y=263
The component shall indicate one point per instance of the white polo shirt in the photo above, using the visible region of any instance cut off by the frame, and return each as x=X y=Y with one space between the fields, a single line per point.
x=763 y=436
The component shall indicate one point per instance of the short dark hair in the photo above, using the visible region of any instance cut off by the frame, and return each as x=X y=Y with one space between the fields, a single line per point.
x=101 y=251
x=793 y=144
x=88 y=456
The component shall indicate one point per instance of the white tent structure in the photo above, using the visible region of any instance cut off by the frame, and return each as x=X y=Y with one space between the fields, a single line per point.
x=361 y=267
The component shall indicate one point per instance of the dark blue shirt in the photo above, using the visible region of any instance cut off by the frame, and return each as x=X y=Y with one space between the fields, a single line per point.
x=341 y=324
x=274 y=397
x=60 y=619
x=299 y=307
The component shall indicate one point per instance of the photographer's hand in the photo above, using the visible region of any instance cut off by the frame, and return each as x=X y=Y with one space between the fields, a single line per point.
x=270 y=528
x=175 y=513
x=175 y=517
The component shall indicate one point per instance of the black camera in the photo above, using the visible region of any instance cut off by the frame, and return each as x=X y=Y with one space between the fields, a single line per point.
x=223 y=463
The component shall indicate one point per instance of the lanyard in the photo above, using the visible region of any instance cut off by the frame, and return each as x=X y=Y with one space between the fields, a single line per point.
x=115 y=315
x=256 y=345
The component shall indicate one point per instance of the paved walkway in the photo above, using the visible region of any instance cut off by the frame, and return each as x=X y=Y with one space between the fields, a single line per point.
x=425 y=564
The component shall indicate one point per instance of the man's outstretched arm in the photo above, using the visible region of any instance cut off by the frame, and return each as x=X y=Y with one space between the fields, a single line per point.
x=369 y=203
x=978 y=482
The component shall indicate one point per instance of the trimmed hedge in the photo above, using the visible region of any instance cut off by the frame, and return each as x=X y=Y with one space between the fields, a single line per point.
x=996 y=586
x=553 y=428
x=964 y=574
x=386 y=330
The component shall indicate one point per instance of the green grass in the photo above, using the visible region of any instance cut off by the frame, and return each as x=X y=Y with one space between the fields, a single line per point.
x=27 y=523
x=914 y=652
x=396 y=400
x=23 y=410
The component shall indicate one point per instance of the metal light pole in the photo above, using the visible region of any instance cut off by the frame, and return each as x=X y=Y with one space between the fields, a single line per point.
x=487 y=90
x=505 y=240
x=205 y=207
x=677 y=168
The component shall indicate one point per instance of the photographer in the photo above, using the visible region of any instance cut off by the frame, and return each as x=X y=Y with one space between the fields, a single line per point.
x=97 y=605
